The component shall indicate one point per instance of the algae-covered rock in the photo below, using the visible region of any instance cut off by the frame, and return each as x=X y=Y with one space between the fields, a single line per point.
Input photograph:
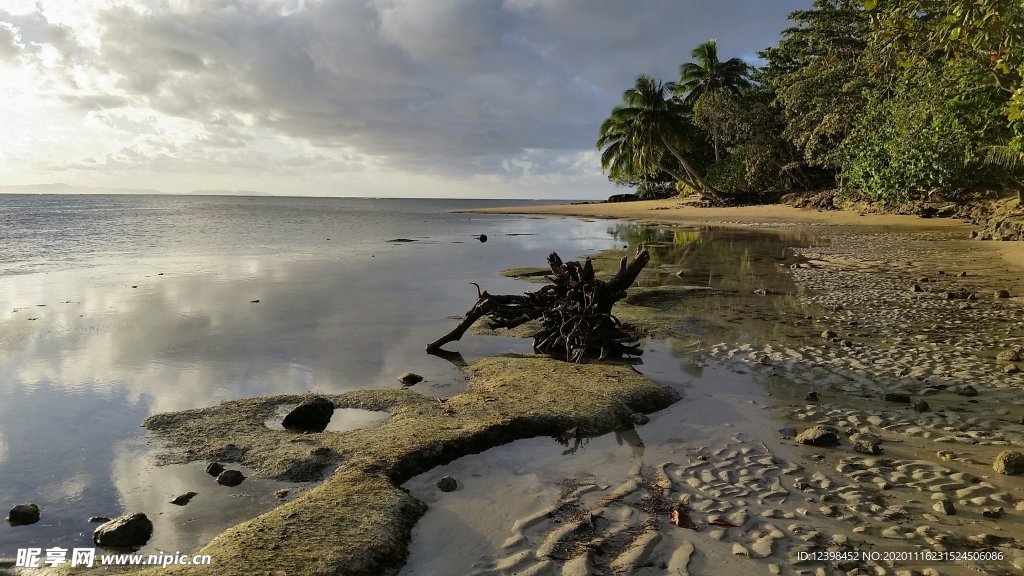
x=359 y=520
x=819 y=436
x=1010 y=462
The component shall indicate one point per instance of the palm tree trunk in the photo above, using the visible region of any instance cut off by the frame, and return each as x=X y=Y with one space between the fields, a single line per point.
x=686 y=179
x=703 y=187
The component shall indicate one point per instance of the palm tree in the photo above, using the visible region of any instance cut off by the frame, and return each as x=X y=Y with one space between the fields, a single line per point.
x=636 y=136
x=709 y=74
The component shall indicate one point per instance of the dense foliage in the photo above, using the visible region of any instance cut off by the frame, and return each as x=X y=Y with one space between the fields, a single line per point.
x=893 y=100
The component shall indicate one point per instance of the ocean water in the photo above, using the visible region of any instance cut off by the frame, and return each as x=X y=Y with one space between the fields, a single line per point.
x=113 y=308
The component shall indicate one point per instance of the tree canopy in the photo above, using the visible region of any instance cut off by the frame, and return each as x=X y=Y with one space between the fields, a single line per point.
x=890 y=100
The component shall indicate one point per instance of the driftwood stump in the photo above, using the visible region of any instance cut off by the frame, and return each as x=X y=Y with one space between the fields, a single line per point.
x=575 y=309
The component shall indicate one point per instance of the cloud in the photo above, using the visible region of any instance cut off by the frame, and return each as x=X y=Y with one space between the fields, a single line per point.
x=459 y=87
x=10 y=42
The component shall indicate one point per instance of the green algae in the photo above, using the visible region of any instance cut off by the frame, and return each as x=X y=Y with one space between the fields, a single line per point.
x=359 y=520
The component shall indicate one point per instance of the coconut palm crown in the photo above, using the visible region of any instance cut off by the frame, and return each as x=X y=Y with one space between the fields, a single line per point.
x=708 y=74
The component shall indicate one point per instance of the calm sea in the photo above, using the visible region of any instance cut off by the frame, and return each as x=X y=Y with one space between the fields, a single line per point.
x=113 y=308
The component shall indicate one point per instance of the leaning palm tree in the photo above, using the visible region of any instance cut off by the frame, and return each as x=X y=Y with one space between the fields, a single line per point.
x=709 y=74
x=636 y=137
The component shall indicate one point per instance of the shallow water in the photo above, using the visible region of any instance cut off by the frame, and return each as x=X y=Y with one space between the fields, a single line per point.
x=113 y=309
x=505 y=484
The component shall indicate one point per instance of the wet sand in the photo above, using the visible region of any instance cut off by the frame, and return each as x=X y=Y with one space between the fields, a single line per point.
x=894 y=336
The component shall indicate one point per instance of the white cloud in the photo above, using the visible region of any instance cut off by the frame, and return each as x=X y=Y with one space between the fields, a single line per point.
x=449 y=90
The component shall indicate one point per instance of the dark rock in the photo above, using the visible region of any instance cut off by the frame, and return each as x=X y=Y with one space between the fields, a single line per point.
x=901 y=397
x=183 y=499
x=124 y=532
x=447 y=484
x=787 y=432
x=98 y=519
x=966 y=390
x=1009 y=462
x=230 y=478
x=1002 y=293
x=23 y=515
x=963 y=274
x=312 y=415
x=811 y=397
x=483 y=237
x=639 y=419
x=410 y=378
x=993 y=513
x=1011 y=369
x=819 y=436
x=916 y=288
x=828 y=335
x=945 y=506
x=214 y=469
x=960 y=295
x=921 y=406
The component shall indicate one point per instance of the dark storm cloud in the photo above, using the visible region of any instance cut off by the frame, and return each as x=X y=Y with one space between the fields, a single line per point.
x=454 y=83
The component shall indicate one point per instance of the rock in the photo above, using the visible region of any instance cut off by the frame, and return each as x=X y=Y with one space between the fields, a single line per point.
x=867 y=438
x=447 y=484
x=945 y=507
x=281 y=493
x=811 y=397
x=963 y=274
x=921 y=406
x=819 y=436
x=100 y=519
x=23 y=515
x=1009 y=356
x=900 y=397
x=230 y=478
x=916 y=288
x=214 y=469
x=1009 y=462
x=828 y=335
x=787 y=432
x=1011 y=369
x=183 y=499
x=993 y=513
x=866 y=448
x=966 y=390
x=410 y=378
x=312 y=415
x=639 y=419
x=483 y=237
x=127 y=531
x=1002 y=293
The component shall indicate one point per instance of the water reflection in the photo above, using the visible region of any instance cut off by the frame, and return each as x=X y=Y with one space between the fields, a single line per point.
x=746 y=268
x=89 y=351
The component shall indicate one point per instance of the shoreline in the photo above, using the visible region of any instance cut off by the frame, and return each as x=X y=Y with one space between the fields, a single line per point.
x=909 y=442
x=673 y=212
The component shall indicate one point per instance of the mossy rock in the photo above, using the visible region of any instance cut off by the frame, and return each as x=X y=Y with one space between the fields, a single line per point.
x=359 y=521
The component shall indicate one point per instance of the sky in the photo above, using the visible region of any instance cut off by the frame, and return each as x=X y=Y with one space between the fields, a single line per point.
x=428 y=98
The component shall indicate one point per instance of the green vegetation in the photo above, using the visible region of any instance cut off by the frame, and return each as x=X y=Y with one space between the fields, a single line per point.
x=895 y=101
